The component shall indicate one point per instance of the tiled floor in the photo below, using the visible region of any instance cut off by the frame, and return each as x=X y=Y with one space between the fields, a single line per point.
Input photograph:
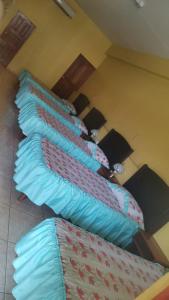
x=16 y=217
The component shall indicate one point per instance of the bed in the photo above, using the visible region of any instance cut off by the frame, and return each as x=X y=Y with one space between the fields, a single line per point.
x=57 y=260
x=34 y=119
x=47 y=175
x=26 y=78
x=30 y=93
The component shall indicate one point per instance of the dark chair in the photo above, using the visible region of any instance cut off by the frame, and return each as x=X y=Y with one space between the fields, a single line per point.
x=80 y=103
x=94 y=119
x=152 y=195
x=115 y=147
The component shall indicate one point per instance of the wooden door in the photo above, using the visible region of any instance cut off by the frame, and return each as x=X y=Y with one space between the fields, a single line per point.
x=14 y=36
x=74 y=77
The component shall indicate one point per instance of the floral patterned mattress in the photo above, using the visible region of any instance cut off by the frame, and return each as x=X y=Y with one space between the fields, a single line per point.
x=26 y=79
x=30 y=92
x=33 y=118
x=57 y=260
x=53 y=122
x=74 y=191
x=33 y=92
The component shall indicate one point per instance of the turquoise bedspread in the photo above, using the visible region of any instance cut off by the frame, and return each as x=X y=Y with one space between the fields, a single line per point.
x=58 y=261
x=30 y=122
x=39 y=273
x=42 y=185
x=24 y=96
x=26 y=78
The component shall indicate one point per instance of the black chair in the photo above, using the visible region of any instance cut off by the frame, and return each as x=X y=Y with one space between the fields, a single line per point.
x=115 y=147
x=94 y=119
x=80 y=103
x=152 y=195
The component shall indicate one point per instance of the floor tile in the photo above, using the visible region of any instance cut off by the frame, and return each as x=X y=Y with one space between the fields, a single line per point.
x=2 y=296
x=15 y=146
x=7 y=165
x=9 y=297
x=20 y=223
x=9 y=268
x=4 y=219
x=6 y=153
x=5 y=190
x=25 y=206
x=6 y=137
x=3 y=256
x=48 y=212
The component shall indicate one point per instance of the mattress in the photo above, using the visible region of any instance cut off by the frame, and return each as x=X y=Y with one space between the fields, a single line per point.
x=47 y=175
x=57 y=260
x=31 y=94
x=26 y=78
x=35 y=119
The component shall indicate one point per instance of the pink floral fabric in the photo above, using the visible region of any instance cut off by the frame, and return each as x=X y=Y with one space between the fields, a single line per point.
x=70 y=169
x=51 y=103
x=135 y=211
x=127 y=203
x=88 y=181
x=74 y=120
x=54 y=123
x=96 y=269
x=100 y=156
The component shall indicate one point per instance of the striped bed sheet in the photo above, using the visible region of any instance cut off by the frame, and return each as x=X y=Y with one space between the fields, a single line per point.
x=57 y=260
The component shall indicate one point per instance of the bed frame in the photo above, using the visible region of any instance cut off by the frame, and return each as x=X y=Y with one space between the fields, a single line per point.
x=152 y=195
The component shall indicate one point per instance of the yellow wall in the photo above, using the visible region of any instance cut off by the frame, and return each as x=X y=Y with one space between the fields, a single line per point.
x=130 y=88
x=135 y=103
x=57 y=41
x=162 y=238
x=154 y=64
x=154 y=290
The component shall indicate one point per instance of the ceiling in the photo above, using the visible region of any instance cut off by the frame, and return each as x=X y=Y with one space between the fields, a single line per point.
x=143 y=29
